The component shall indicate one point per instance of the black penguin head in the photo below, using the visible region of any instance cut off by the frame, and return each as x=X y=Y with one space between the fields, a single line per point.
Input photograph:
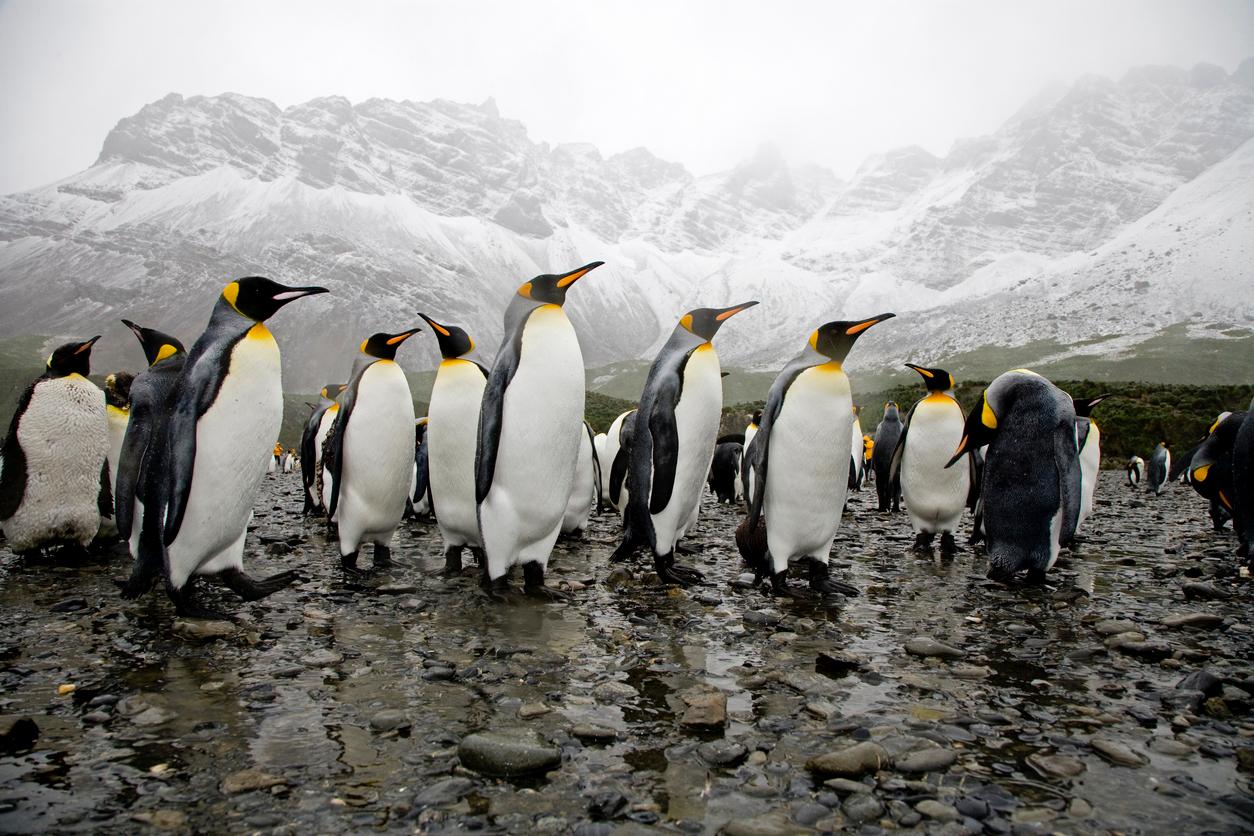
x=834 y=340
x=384 y=346
x=757 y=418
x=1084 y=406
x=118 y=389
x=936 y=380
x=891 y=411
x=71 y=358
x=980 y=429
x=454 y=341
x=156 y=345
x=550 y=289
x=259 y=298
x=705 y=322
x=332 y=390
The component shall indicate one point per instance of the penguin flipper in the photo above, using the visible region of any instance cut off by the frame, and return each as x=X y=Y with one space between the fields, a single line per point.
x=1184 y=461
x=421 y=461
x=596 y=465
x=665 y=443
x=899 y=451
x=134 y=445
x=977 y=474
x=13 y=471
x=1067 y=460
x=308 y=455
x=491 y=414
x=104 y=499
x=761 y=443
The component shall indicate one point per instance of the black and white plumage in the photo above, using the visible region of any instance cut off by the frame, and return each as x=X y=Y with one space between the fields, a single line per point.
x=1243 y=485
x=1159 y=469
x=1136 y=471
x=887 y=434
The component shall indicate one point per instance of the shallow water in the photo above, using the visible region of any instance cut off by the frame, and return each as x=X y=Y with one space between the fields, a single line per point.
x=291 y=694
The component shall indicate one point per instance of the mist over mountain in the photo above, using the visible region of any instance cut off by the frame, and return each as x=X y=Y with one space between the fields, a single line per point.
x=1109 y=219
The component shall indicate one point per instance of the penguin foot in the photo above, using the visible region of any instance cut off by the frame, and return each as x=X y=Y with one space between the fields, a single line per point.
x=383 y=558
x=348 y=562
x=251 y=589
x=624 y=551
x=134 y=587
x=533 y=584
x=822 y=582
x=949 y=546
x=680 y=548
x=780 y=587
x=187 y=605
x=668 y=572
x=497 y=589
x=452 y=562
x=923 y=543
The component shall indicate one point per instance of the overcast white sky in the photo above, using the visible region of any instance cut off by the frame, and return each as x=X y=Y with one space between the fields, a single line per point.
x=703 y=83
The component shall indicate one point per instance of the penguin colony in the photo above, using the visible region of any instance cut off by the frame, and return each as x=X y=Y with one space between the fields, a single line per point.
x=170 y=461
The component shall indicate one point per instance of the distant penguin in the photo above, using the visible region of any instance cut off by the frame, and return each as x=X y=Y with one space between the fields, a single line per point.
x=1159 y=468
x=802 y=461
x=935 y=495
x=1030 y=492
x=725 y=470
x=54 y=470
x=420 y=494
x=226 y=410
x=857 y=465
x=370 y=452
x=530 y=425
x=1136 y=471
x=583 y=493
x=289 y=459
x=673 y=442
x=451 y=436
x=311 y=445
x=274 y=459
x=603 y=470
x=616 y=460
x=118 y=409
x=886 y=436
x=1211 y=470
x=142 y=462
x=1089 y=439
x=746 y=457
x=1243 y=486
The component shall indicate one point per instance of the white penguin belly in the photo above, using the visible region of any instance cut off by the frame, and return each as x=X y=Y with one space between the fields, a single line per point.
x=542 y=418
x=118 y=419
x=378 y=458
x=855 y=448
x=324 y=430
x=452 y=434
x=64 y=436
x=234 y=444
x=1090 y=469
x=612 y=446
x=935 y=496
x=808 y=467
x=582 y=491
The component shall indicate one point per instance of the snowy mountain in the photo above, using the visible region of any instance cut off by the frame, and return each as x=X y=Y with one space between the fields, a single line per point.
x=1093 y=221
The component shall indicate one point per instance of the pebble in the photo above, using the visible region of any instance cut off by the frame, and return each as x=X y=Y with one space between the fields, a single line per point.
x=614 y=692
x=1170 y=746
x=926 y=760
x=852 y=761
x=1117 y=753
x=590 y=732
x=1113 y=627
x=861 y=807
x=389 y=719
x=722 y=752
x=936 y=810
x=1203 y=592
x=322 y=658
x=1199 y=620
x=844 y=786
x=533 y=709
x=1055 y=766
x=837 y=663
x=203 y=631
x=928 y=646
x=705 y=709
x=973 y=808
x=447 y=791
x=247 y=780
x=507 y=753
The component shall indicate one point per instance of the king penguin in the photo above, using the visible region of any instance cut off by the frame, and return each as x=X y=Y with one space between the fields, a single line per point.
x=1136 y=471
x=747 y=456
x=530 y=424
x=585 y=495
x=420 y=498
x=1089 y=440
x=1030 y=491
x=311 y=446
x=603 y=464
x=802 y=465
x=857 y=464
x=370 y=452
x=673 y=441
x=887 y=434
x=54 y=470
x=1243 y=486
x=226 y=411
x=141 y=462
x=117 y=391
x=1159 y=469
x=1211 y=469
x=935 y=496
x=451 y=436
x=618 y=454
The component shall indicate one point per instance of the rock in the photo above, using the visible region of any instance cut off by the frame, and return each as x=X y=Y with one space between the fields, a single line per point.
x=722 y=752
x=706 y=709
x=837 y=663
x=1118 y=640
x=1245 y=758
x=1113 y=627
x=1182 y=700
x=389 y=719
x=861 y=807
x=1117 y=753
x=844 y=786
x=614 y=692
x=247 y=780
x=17 y=734
x=852 y=761
x=771 y=824
x=1055 y=766
x=533 y=709
x=152 y=716
x=927 y=646
x=1204 y=592
x=926 y=760
x=1198 y=620
x=607 y=804
x=809 y=813
x=322 y=658
x=1079 y=809
x=1170 y=746
x=973 y=808
x=162 y=819
x=1203 y=681
x=448 y=791
x=507 y=753
x=203 y=631
x=1152 y=650
x=396 y=589
x=592 y=733
x=936 y=810
x=69 y=605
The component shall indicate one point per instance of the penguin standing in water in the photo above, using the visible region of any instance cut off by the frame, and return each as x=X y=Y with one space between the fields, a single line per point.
x=857 y=467
x=1243 y=486
x=673 y=441
x=451 y=437
x=887 y=434
x=935 y=496
x=1030 y=494
x=530 y=424
x=803 y=460
x=370 y=452
x=311 y=446
x=54 y=471
x=141 y=462
x=118 y=410
x=1136 y=471
x=616 y=439
x=1089 y=439
x=584 y=493
x=1211 y=469
x=1159 y=468
x=226 y=410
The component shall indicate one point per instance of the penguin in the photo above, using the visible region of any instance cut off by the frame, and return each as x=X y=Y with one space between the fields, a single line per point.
x=1089 y=439
x=226 y=409
x=973 y=499
x=747 y=456
x=289 y=459
x=584 y=494
x=803 y=460
x=725 y=469
x=452 y=433
x=1136 y=471
x=857 y=467
x=1030 y=491
x=598 y=446
x=370 y=452
x=141 y=462
x=935 y=495
x=311 y=445
x=1211 y=470
x=616 y=438
x=322 y=475
x=1243 y=486
x=674 y=434
x=420 y=495
x=274 y=458
x=54 y=469
x=887 y=435
x=117 y=391
x=530 y=424
x=1159 y=467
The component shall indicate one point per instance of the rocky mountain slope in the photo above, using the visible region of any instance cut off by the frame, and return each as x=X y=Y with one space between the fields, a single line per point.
x=1095 y=220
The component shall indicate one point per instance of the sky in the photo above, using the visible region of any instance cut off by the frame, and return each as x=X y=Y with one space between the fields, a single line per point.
x=701 y=83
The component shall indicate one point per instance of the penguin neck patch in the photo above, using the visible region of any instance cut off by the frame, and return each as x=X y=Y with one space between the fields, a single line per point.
x=260 y=332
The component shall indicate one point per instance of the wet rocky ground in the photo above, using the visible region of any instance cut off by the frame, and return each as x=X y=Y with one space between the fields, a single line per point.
x=1116 y=699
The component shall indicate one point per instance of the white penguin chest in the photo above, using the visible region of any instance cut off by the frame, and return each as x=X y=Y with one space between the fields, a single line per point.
x=696 y=422
x=379 y=439
x=808 y=459
x=934 y=493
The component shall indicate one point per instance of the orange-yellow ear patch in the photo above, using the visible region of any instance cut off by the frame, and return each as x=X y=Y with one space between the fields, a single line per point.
x=686 y=321
x=230 y=293
x=165 y=351
x=525 y=290
x=364 y=343
x=814 y=341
